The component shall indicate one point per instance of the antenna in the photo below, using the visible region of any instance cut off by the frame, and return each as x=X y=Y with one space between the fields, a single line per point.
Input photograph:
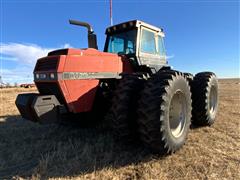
x=111 y=19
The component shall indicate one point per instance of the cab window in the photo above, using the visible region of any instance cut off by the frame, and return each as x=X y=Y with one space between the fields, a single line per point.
x=161 y=48
x=148 y=43
x=122 y=43
x=116 y=45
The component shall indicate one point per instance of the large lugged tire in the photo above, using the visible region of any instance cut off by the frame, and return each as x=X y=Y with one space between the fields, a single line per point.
x=164 y=113
x=205 y=98
x=123 y=111
x=189 y=77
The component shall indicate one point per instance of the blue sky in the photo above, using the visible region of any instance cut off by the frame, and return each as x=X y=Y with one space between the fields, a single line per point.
x=200 y=35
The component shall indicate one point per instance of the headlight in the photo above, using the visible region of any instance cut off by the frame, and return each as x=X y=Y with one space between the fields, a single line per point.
x=52 y=75
x=42 y=76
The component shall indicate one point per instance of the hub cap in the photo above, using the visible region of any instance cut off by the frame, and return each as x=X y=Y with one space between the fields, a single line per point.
x=177 y=113
x=212 y=100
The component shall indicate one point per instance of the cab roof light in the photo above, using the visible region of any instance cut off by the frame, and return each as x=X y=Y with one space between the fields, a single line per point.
x=131 y=23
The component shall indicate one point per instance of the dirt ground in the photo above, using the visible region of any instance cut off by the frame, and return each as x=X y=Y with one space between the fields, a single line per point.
x=33 y=151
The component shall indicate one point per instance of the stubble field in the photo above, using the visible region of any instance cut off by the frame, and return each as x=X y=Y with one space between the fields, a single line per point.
x=33 y=151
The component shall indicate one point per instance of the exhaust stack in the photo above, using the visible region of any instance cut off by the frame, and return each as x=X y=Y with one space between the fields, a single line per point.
x=92 y=37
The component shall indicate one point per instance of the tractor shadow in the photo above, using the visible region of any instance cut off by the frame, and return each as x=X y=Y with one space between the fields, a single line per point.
x=29 y=149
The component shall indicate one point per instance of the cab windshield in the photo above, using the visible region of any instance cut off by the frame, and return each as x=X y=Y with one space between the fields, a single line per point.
x=122 y=43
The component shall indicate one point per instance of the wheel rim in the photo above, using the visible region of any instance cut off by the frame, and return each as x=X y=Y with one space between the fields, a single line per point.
x=177 y=113
x=212 y=100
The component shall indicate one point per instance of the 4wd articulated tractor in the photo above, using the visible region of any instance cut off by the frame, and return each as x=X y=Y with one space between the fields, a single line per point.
x=130 y=81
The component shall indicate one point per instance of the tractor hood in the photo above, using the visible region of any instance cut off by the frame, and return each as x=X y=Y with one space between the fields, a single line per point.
x=70 y=51
x=73 y=75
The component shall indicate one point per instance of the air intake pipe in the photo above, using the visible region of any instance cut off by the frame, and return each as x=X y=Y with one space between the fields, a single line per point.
x=92 y=37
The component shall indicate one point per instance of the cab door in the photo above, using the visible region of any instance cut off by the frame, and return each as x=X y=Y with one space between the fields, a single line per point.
x=151 y=52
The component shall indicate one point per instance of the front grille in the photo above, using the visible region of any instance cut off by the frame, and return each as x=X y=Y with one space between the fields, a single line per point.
x=50 y=89
x=46 y=64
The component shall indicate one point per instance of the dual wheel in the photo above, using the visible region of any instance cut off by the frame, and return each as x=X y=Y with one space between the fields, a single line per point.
x=159 y=110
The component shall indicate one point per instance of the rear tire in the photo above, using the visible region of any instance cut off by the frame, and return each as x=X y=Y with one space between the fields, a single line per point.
x=205 y=98
x=188 y=76
x=123 y=110
x=164 y=113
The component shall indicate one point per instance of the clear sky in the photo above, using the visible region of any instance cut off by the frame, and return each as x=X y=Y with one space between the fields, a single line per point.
x=200 y=35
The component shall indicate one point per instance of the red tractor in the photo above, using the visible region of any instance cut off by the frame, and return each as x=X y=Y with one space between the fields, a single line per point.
x=130 y=80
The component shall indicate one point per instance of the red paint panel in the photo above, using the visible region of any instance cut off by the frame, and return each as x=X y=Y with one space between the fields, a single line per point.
x=61 y=63
x=74 y=51
x=93 y=61
x=81 y=94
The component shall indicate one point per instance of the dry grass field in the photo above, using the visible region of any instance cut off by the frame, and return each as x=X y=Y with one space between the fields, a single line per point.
x=33 y=151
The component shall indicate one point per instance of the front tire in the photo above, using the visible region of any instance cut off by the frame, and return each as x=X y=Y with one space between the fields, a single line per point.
x=123 y=110
x=164 y=113
x=188 y=76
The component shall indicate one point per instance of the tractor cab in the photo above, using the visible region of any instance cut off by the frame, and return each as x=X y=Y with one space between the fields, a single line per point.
x=140 y=42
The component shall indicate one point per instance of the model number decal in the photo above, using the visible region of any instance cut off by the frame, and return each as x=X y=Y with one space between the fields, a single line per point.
x=89 y=75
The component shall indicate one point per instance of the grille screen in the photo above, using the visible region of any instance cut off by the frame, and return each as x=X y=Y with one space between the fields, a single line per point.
x=50 y=89
x=47 y=64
